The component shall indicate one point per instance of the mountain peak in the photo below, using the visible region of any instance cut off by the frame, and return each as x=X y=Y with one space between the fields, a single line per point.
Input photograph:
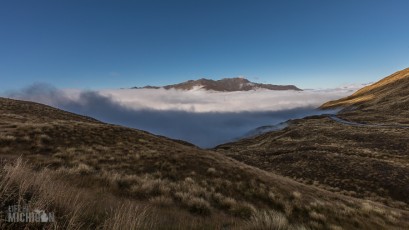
x=226 y=85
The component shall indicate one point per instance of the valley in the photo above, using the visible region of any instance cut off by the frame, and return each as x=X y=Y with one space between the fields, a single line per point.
x=319 y=172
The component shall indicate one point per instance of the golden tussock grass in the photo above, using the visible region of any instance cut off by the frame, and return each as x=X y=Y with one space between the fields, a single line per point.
x=92 y=175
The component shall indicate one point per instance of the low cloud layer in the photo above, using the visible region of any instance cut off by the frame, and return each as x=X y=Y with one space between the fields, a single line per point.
x=200 y=101
x=202 y=118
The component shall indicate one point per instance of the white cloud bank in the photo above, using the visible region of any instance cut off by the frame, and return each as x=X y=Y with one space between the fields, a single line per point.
x=201 y=101
x=200 y=117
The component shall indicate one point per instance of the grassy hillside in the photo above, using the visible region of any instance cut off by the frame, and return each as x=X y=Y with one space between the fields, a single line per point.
x=386 y=101
x=367 y=162
x=96 y=175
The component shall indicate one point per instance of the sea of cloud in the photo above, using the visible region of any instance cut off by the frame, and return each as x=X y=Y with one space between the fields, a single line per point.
x=204 y=118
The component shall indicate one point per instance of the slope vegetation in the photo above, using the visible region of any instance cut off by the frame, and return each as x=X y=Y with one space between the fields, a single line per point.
x=387 y=101
x=365 y=161
x=97 y=175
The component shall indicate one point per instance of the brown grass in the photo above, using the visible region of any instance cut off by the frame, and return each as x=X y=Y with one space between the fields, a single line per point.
x=354 y=161
x=92 y=174
x=79 y=208
x=386 y=101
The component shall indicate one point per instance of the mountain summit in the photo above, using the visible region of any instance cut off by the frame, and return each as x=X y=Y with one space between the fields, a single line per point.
x=225 y=85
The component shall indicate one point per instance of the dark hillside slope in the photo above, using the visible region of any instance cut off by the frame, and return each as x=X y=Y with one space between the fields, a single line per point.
x=369 y=162
x=183 y=184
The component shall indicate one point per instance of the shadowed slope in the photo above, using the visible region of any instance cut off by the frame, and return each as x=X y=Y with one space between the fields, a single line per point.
x=109 y=160
x=370 y=162
x=366 y=162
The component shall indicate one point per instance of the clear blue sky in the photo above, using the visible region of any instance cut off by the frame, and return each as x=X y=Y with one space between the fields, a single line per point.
x=108 y=44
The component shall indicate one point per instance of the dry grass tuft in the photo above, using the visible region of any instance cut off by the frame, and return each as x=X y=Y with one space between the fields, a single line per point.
x=89 y=172
x=268 y=220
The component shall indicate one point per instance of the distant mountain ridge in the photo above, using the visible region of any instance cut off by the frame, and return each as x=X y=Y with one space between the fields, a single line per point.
x=224 y=85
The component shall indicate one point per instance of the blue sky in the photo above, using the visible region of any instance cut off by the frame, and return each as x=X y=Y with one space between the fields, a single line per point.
x=108 y=44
